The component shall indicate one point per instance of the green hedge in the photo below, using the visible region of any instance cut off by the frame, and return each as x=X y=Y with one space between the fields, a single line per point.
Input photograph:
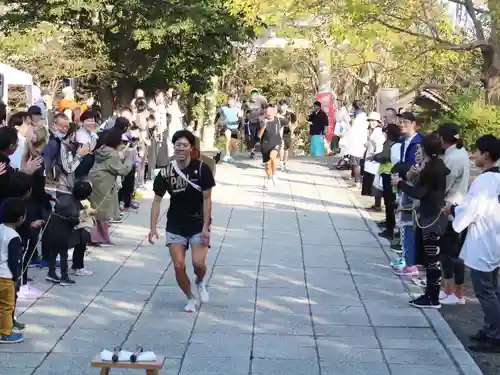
x=473 y=115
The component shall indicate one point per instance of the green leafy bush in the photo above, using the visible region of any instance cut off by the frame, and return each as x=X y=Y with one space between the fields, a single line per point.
x=474 y=116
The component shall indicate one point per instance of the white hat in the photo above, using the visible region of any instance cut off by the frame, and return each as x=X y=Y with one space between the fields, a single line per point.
x=374 y=116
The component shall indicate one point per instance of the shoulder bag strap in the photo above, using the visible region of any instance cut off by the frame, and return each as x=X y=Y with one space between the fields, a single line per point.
x=183 y=176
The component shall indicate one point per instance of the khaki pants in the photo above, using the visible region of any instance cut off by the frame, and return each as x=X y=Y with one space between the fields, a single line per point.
x=7 y=304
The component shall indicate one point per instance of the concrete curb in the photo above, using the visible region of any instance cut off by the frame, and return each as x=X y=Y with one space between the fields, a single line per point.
x=462 y=359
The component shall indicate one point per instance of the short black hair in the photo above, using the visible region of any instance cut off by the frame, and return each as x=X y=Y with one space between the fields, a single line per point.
x=8 y=137
x=35 y=110
x=141 y=104
x=318 y=103
x=87 y=115
x=19 y=185
x=151 y=118
x=113 y=138
x=357 y=104
x=13 y=209
x=17 y=119
x=122 y=124
x=82 y=190
x=490 y=144
x=393 y=110
x=184 y=134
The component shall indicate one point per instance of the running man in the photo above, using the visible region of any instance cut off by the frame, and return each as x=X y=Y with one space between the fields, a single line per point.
x=287 y=131
x=270 y=142
x=253 y=116
x=189 y=183
x=230 y=115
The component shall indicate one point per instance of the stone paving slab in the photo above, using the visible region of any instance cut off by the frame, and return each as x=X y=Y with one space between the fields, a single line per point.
x=298 y=283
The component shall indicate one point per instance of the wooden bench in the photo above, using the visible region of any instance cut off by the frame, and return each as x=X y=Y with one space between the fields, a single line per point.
x=151 y=368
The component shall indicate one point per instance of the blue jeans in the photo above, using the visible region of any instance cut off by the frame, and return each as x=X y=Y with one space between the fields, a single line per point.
x=409 y=248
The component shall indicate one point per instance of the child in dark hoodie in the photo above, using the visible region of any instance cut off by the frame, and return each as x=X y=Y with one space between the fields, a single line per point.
x=60 y=232
x=430 y=189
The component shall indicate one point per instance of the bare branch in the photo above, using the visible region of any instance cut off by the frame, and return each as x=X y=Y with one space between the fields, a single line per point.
x=440 y=43
x=473 y=8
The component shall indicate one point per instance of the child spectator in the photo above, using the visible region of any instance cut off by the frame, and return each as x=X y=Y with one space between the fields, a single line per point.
x=13 y=213
x=81 y=236
x=20 y=187
x=60 y=231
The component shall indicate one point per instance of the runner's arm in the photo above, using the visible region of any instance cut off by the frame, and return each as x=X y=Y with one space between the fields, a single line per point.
x=160 y=187
x=262 y=129
x=207 y=182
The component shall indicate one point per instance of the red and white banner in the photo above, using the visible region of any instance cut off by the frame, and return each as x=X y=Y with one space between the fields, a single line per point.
x=326 y=100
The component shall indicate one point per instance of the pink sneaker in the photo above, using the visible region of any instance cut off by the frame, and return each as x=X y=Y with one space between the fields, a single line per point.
x=407 y=271
x=29 y=292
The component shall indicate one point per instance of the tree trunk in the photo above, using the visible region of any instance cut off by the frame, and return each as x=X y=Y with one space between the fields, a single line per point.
x=125 y=90
x=491 y=75
x=106 y=99
x=208 y=130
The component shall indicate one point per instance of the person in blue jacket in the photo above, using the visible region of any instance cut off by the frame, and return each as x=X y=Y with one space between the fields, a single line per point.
x=410 y=156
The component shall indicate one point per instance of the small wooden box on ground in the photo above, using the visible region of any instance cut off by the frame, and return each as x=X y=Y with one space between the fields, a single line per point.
x=151 y=368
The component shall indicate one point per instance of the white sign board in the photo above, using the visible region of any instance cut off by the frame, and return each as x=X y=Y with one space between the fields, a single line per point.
x=387 y=98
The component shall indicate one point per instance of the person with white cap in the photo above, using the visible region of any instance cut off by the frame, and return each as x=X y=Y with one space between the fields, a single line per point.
x=374 y=145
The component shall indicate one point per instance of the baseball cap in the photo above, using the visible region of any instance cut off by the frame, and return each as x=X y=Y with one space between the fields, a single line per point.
x=35 y=110
x=408 y=116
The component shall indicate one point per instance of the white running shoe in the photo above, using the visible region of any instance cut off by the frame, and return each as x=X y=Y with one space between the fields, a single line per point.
x=191 y=306
x=452 y=299
x=226 y=158
x=203 y=292
x=82 y=272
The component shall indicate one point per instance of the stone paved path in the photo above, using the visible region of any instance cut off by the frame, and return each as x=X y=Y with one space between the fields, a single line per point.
x=298 y=285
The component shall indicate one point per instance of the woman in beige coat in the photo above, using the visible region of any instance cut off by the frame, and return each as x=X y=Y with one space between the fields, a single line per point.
x=108 y=166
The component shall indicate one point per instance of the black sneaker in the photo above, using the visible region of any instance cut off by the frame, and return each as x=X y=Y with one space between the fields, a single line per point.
x=386 y=234
x=381 y=224
x=66 y=281
x=424 y=302
x=252 y=155
x=53 y=278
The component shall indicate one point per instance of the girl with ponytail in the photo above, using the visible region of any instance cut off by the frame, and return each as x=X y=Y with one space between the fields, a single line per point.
x=430 y=189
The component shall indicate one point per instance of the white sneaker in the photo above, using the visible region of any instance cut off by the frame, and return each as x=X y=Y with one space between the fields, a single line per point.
x=226 y=158
x=28 y=292
x=442 y=294
x=191 y=306
x=266 y=183
x=274 y=179
x=452 y=299
x=203 y=293
x=82 y=272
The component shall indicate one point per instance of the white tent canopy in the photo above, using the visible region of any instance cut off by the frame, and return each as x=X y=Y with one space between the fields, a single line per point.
x=12 y=76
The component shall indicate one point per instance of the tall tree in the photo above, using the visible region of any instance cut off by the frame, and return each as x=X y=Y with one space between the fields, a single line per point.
x=160 y=43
